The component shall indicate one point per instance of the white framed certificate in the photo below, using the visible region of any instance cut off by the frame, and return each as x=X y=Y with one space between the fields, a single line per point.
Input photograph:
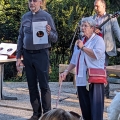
x=40 y=35
x=7 y=48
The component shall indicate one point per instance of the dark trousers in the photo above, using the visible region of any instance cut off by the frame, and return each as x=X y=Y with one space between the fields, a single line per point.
x=92 y=102
x=97 y=101
x=37 y=70
x=84 y=101
x=107 y=91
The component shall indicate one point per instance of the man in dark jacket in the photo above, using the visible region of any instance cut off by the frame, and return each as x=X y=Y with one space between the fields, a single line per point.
x=36 y=55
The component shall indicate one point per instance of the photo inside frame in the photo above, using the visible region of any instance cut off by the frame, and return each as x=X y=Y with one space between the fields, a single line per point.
x=9 y=50
x=1 y=48
x=40 y=34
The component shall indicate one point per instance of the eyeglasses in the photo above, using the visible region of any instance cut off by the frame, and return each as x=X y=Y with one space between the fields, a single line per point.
x=33 y=0
x=84 y=26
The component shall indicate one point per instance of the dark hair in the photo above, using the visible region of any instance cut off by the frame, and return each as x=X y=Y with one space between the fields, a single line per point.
x=58 y=114
x=103 y=1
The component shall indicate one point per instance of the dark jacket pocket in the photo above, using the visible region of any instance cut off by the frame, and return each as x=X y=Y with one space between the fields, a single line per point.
x=27 y=27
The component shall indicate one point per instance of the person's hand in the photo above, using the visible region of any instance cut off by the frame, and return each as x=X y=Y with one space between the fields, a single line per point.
x=18 y=64
x=48 y=28
x=76 y=42
x=97 y=31
x=80 y=44
x=63 y=76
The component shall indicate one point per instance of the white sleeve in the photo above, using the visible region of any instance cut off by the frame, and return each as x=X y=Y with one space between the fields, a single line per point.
x=73 y=61
x=75 y=48
x=99 y=48
x=74 y=56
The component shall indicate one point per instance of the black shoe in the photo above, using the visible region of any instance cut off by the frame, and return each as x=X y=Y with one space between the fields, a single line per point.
x=34 y=118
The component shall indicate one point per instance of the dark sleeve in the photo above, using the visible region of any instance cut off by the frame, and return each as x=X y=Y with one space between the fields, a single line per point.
x=53 y=34
x=20 y=42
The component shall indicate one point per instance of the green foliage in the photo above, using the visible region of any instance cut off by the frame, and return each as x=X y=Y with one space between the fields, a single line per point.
x=10 y=15
x=16 y=78
x=53 y=75
x=11 y=12
x=67 y=14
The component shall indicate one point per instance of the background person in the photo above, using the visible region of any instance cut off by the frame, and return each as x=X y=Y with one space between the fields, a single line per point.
x=90 y=55
x=58 y=114
x=36 y=57
x=109 y=31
